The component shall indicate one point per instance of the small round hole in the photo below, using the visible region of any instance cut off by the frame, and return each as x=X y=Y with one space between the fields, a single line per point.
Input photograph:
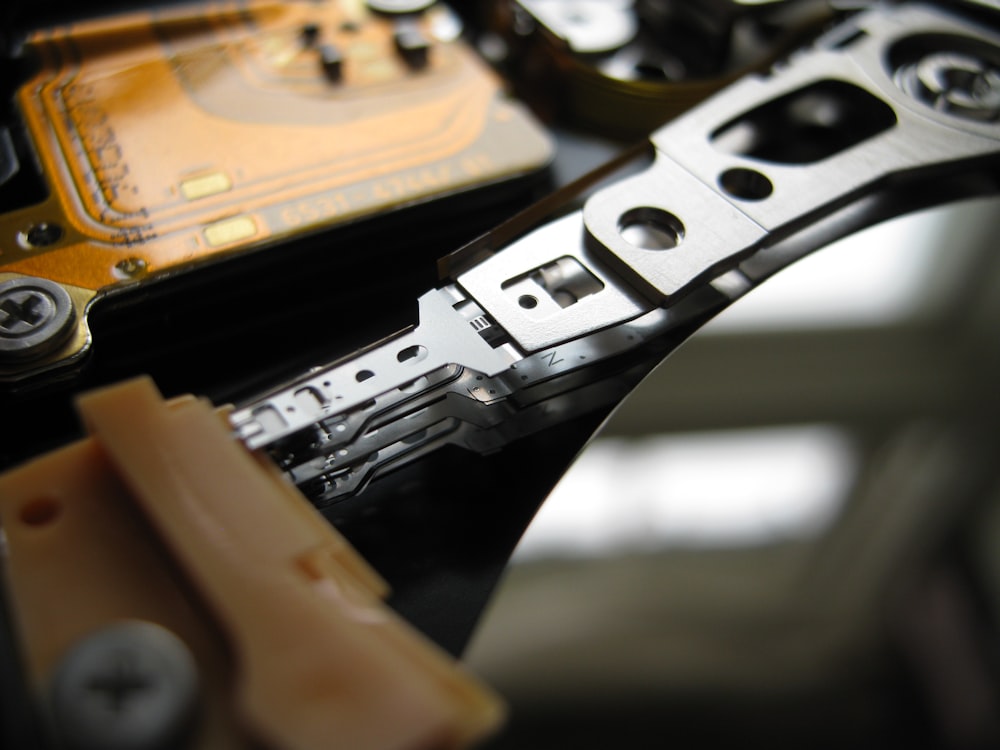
x=42 y=234
x=40 y=511
x=364 y=375
x=411 y=354
x=748 y=184
x=651 y=228
x=527 y=301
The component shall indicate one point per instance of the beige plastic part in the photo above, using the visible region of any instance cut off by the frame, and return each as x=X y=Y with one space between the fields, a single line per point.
x=162 y=516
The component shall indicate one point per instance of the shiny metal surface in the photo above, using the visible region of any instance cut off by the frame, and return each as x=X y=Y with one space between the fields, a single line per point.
x=547 y=324
x=443 y=338
x=586 y=26
x=837 y=137
x=853 y=68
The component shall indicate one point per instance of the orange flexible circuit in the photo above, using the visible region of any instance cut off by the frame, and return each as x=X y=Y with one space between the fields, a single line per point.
x=170 y=138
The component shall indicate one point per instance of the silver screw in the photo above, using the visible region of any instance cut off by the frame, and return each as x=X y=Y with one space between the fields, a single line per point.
x=36 y=317
x=959 y=84
x=130 y=686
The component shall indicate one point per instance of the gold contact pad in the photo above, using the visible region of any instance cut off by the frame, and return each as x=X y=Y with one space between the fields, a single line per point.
x=170 y=138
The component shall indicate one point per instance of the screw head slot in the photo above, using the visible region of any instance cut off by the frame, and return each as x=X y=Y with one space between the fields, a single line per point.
x=960 y=84
x=36 y=318
x=129 y=686
x=950 y=74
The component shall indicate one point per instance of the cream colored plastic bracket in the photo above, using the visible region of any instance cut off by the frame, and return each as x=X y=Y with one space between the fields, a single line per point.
x=162 y=516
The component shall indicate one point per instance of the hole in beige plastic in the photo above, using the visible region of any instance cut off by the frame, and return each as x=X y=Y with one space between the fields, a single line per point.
x=40 y=512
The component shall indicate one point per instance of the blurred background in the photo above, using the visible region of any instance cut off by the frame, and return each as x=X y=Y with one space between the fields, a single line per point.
x=790 y=533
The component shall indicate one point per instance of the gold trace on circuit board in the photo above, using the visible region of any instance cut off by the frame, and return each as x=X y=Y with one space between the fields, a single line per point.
x=170 y=137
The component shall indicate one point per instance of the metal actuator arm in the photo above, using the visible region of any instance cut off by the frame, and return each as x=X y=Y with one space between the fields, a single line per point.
x=893 y=110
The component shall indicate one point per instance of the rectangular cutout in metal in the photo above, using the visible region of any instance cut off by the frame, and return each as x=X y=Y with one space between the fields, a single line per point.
x=555 y=286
